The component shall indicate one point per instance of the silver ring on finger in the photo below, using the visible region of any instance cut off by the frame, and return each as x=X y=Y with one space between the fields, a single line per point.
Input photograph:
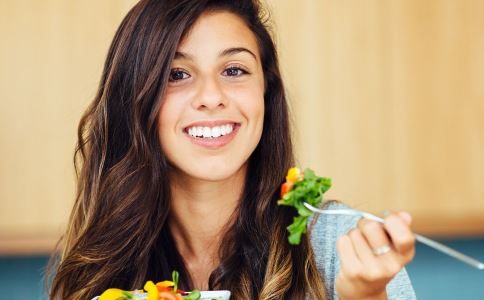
x=382 y=250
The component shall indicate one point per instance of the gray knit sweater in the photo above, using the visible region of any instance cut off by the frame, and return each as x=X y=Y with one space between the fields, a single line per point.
x=325 y=230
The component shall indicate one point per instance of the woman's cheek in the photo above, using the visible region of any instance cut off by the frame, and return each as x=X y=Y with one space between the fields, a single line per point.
x=170 y=111
x=247 y=97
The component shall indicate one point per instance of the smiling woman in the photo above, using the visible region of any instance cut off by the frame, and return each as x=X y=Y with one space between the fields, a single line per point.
x=221 y=91
x=213 y=109
x=180 y=158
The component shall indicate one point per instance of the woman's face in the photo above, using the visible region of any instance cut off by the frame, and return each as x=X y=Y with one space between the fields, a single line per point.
x=212 y=113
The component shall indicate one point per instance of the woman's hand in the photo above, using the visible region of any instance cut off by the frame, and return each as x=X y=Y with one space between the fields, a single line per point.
x=372 y=254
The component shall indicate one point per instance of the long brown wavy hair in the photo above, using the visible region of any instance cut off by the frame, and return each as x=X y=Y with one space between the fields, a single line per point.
x=117 y=235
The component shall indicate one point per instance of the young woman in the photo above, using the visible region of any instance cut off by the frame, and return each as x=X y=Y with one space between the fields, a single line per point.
x=180 y=159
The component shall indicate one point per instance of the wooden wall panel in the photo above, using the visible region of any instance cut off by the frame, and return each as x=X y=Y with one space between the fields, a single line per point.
x=51 y=57
x=389 y=102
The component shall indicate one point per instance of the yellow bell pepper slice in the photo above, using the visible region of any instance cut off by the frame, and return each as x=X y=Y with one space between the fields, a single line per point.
x=152 y=290
x=294 y=174
x=115 y=294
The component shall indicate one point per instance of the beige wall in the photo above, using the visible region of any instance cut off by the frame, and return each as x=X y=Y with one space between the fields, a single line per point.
x=51 y=57
x=389 y=102
x=388 y=98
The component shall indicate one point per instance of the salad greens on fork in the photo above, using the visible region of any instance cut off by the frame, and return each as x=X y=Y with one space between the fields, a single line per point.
x=298 y=189
x=304 y=192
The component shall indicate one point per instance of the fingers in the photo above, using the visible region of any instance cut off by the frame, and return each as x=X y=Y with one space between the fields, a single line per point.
x=406 y=217
x=364 y=269
x=374 y=233
x=387 y=246
x=359 y=263
x=350 y=262
x=398 y=227
x=362 y=249
x=395 y=232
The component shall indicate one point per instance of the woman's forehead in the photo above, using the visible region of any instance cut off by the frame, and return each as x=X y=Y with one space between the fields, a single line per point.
x=218 y=34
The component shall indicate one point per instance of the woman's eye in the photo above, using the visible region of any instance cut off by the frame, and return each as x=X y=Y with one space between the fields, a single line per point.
x=234 y=72
x=177 y=75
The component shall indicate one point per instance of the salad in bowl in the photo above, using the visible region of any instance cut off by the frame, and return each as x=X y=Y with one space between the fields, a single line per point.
x=163 y=290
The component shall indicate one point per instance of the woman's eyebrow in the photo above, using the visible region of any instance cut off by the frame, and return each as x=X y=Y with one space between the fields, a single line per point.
x=226 y=52
x=235 y=50
x=182 y=55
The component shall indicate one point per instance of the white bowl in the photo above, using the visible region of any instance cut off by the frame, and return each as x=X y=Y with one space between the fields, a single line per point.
x=215 y=295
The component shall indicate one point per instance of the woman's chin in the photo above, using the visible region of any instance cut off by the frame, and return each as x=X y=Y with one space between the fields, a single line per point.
x=218 y=173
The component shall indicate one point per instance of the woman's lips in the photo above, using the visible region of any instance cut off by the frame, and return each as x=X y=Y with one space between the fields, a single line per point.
x=212 y=142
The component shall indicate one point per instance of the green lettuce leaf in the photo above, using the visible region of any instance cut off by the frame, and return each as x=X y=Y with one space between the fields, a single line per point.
x=310 y=190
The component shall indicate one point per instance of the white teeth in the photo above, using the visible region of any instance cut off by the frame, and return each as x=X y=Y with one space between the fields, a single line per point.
x=229 y=129
x=207 y=132
x=216 y=131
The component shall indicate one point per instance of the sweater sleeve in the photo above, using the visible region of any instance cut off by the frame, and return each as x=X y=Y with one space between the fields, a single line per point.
x=324 y=232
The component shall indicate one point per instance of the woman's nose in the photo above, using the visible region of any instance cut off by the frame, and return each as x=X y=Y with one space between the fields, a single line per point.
x=210 y=95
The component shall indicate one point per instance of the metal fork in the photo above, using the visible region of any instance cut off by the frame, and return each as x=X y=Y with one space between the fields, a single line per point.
x=424 y=240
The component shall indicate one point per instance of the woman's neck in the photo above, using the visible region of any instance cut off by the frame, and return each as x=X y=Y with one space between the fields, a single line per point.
x=200 y=214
